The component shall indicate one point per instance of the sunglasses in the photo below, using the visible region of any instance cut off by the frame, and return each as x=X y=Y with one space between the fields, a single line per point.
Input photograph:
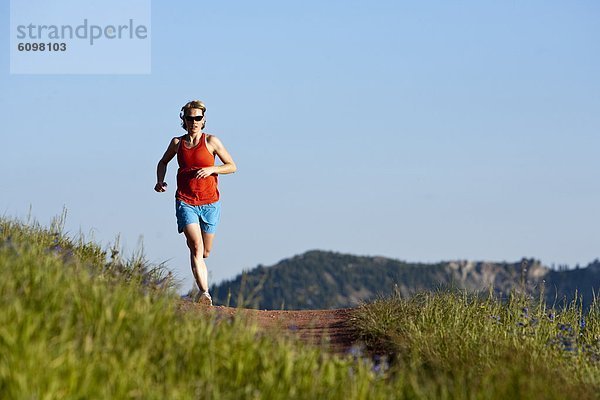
x=189 y=118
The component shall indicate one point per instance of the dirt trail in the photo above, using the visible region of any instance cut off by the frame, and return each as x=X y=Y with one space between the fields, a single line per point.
x=329 y=327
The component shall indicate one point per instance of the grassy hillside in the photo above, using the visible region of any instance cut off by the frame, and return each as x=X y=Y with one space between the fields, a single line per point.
x=455 y=345
x=319 y=280
x=77 y=323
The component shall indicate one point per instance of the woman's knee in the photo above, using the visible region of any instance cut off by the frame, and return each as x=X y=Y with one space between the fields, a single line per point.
x=194 y=246
x=206 y=253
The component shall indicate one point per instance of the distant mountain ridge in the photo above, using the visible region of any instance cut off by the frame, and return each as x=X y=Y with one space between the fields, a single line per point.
x=324 y=280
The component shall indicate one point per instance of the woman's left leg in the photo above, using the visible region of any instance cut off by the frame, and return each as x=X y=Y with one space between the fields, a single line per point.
x=207 y=239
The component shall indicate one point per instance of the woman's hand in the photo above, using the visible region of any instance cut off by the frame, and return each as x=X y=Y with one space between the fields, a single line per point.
x=205 y=172
x=161 y=187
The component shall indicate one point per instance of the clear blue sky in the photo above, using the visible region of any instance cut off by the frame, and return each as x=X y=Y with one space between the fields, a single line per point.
x=423 y=130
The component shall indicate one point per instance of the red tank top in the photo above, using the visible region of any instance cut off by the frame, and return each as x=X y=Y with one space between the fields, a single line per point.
x=192 y=190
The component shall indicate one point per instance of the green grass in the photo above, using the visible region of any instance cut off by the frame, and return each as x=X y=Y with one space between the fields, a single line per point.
x=458 y=345
x=78 y=322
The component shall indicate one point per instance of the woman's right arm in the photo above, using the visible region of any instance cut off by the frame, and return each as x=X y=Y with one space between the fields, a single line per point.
x=161 y=168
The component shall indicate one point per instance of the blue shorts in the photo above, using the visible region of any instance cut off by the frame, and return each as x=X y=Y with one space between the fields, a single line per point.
x=207 y=216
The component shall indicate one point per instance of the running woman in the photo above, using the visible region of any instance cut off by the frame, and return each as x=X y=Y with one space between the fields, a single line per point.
x=197 y=204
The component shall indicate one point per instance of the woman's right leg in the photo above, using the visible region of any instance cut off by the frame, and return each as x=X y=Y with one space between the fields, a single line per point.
x=193 y=236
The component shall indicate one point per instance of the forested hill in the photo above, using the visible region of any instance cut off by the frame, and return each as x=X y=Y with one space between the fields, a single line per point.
x=322 y=280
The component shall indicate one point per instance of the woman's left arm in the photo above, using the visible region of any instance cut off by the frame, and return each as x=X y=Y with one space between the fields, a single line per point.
x=228 y=166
